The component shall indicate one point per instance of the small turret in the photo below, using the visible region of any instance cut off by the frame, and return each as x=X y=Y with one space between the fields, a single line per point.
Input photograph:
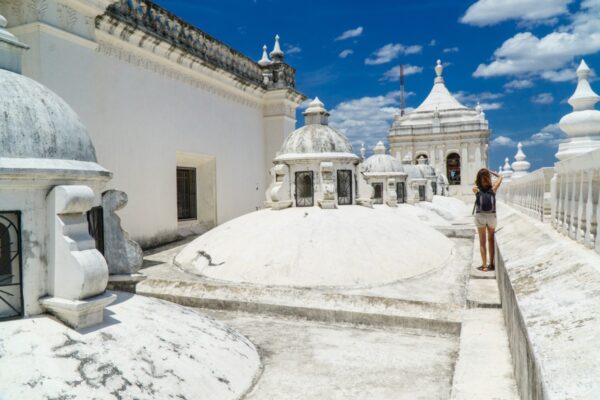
x=277 y=54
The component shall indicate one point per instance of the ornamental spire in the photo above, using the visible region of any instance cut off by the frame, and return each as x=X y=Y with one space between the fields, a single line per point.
x=277 y=54
x=520 y=166
x=265 y=58
x=439 y=68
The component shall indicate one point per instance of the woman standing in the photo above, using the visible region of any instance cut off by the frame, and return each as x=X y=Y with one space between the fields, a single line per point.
x=485 y=215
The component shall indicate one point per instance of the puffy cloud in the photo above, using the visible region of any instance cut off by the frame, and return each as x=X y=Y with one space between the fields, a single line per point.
x=366 y=119
x=548 y=56
x=350 y=33
x=542 y=98
x=292 y=49
x=490 y=12
x=390 y=51
x=503 y=141
x=432 y=42
x=393 y=74
x=562 y=75
x=550 y=136
x=484 y=98
x=346 y=53
x=451 y=50
x=519 y=84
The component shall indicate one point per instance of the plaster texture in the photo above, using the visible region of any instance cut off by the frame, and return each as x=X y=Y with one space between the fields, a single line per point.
x=549 y=287
x=145 y=349
x=349 y=246
x=123 y=256
x=340 y=361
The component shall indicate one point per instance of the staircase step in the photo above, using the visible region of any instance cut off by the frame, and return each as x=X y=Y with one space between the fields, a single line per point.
x=483 y=293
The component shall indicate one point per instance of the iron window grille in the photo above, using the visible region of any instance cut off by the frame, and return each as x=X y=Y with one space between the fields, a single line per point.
x=378 y=193
x=304 y=189
x=11 y=268
x=453 y=169
x=344 y=187
x=401 y=192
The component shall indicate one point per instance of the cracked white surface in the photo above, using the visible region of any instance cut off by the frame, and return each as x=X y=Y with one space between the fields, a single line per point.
x=145 y=349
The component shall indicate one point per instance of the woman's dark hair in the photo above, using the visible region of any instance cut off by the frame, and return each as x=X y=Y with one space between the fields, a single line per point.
x=484 y=179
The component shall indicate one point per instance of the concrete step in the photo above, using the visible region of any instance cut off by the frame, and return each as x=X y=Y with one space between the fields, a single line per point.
x=483 y=293
x=476 y=263
x=484 y=367
x=307 y=303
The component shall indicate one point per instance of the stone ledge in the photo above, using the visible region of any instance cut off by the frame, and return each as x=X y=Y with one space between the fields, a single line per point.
x=79 y=314
x=549 y=287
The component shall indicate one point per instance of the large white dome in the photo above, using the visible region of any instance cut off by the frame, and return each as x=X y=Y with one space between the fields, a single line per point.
x=37 y=123
x=316 y=138
x=310 y=247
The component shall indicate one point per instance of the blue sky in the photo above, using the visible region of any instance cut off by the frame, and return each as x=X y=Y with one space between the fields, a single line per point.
x=517 y=57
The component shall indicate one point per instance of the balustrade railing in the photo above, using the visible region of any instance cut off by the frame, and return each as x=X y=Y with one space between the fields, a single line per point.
x=530 y=193
x=575 y=193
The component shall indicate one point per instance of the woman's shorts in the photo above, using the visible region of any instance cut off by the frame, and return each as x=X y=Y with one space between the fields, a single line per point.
x=483 y=220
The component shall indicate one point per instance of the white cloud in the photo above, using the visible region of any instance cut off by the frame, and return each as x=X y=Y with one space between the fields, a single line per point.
x=393 y=74
x=366 y=119
x=292 y=49
x=346 y=53
x=549 y=55
x=390 y=51
x=550 y=135
x=496 y=105
x=490 y=12
x=519 y=84
x=542 y=98
x=503 y=141
x=471 y=99
x=432 y=42
x=350 y=33
x=451 y=50
x=562 y=75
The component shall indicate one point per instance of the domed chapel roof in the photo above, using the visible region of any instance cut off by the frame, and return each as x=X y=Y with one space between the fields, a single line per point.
x=316 y=138
x=380 y=162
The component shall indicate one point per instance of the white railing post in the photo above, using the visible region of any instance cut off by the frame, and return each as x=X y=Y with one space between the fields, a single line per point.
x=579 y=233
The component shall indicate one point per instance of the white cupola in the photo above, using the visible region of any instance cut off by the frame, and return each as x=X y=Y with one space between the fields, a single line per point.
x=521 y=165
x=582 y=125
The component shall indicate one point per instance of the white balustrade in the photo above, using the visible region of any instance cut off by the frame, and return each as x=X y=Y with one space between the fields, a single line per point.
x=530 y=193
x=575 y=205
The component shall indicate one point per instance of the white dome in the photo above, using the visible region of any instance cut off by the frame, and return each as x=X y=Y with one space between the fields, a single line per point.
x=352 y=246
x=380 y=162
x=316 y=138
x=37 y=123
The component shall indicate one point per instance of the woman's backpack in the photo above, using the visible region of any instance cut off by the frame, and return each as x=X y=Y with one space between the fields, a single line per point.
x=486 y=201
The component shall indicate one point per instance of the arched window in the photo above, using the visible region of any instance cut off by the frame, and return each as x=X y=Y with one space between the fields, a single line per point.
x=344 y=187
x=304 y=189
x=377 y=193
x=453 y=168
x=422 y=159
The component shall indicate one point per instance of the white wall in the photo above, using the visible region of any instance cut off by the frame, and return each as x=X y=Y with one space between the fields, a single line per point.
x=139 y=119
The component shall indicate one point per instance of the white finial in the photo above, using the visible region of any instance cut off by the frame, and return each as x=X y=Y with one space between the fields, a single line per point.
x=277 y=54
x=265 y=58
x=363 y=150
x=379 y=148
x=582 y=125
x=478 y=107
x=520 y=166
x=439 y=68
x=316 y=113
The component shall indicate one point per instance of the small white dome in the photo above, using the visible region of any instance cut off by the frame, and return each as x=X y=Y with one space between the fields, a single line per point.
x=380 y=162
x=37 y=123
x=316 y=136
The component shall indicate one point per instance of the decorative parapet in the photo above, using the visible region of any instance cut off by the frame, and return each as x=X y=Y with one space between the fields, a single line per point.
x=575 y=198
x=530 y=193
x=156 y=22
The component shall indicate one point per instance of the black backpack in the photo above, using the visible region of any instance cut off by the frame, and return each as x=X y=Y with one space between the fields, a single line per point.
x=486 y=201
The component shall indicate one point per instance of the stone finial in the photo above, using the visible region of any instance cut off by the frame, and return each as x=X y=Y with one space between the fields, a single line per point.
x=379 y=148
x=316 y=113
x=506 y=170
x=478 y=107
x=363 y=151
x=439 y=69
x=582 y=125
x=277 y=54
x=520 y=166
x=264 y=61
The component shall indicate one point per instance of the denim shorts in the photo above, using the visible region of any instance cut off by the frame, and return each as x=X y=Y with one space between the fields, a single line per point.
x=483 y=220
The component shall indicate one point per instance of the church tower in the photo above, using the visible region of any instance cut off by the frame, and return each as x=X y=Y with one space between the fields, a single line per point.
x=445 y=134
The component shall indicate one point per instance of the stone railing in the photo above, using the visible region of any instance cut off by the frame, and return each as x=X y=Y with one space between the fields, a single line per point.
x=575 y=204
x=530 y=193
x=157 y=22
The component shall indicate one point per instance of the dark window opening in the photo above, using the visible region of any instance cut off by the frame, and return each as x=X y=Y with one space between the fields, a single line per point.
x=378 y=193
x=304 y=189
x=421 y=193
x=344 y=187
x=186 y=193
x=11 y=291
x=453 y=169
x=95 y=219
x=401 y=192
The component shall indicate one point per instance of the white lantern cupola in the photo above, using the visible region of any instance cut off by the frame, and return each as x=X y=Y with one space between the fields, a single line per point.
x=277 y=54
x=582 y=125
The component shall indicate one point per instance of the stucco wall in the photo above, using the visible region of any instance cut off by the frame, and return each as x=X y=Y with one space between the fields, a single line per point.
x=139 y=119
